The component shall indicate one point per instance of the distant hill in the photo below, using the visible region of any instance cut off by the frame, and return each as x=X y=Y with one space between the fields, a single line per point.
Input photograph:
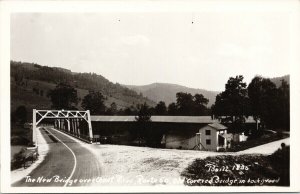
x=31 y=82
x=167 y=92
x=277 y=80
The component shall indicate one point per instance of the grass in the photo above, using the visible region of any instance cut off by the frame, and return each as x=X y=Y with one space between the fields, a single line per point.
x=241 y=170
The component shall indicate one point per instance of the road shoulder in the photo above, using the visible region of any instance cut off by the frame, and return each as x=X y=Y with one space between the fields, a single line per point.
x=43 y=149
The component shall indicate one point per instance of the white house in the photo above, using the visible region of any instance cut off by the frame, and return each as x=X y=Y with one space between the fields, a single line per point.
x=212 y=137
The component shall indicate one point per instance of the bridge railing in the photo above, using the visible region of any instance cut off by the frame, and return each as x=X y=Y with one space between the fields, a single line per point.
x=85 y=138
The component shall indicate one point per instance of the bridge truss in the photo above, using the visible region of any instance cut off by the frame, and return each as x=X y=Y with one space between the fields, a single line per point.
x=74 y=122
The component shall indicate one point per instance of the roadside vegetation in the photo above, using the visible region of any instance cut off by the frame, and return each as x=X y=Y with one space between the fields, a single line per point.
x=23 y=158
x=256 y=141
x=259 y=170
x=20 y=135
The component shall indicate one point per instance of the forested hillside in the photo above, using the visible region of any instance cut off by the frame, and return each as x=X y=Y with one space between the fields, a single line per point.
x=30 y=84
x=277 y=80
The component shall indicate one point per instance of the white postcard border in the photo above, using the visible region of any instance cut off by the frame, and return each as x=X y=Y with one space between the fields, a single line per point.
x=8 y=7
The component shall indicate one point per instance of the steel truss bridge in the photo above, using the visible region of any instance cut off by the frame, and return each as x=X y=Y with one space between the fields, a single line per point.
x=74 y=122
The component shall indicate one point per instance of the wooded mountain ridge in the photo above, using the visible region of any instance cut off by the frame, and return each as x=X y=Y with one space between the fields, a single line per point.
x=167 y=92
x=29 y=79
x=31 y=82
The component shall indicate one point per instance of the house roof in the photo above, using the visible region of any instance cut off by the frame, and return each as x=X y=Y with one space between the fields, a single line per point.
x=166 y=119
x=217 y=126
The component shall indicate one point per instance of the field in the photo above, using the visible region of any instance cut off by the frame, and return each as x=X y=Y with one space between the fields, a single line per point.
x=143 y=163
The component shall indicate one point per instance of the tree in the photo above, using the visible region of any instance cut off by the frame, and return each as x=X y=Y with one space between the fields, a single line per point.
x=145 y=130
x=269 y=104
x=113 y=109
x=161 y=108
x=18 y=77
x=21 y=114
x=172 y=109
x=263 y=99
x=187 y=104
x=143 y=113
x=127 y=111
x=184 y=103
x=142 y=119
x=232 y=105
x=284 y=105
x=94 y=101
x=63 y=96
x=200 y=103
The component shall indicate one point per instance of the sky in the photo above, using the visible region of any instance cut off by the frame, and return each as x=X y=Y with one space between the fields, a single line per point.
x=198 y=50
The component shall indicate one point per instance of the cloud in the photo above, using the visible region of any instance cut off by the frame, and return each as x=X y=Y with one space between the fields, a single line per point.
x=135 y=40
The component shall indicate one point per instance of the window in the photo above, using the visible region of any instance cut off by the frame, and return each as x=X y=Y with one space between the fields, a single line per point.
x=208 y=142
x=207 y=132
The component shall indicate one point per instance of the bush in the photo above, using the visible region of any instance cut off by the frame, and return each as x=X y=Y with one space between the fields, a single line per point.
x=21 y=158
x=255 y=134
x=222 y=150
x=280 y=160
x=18 y=159
x=275 y=166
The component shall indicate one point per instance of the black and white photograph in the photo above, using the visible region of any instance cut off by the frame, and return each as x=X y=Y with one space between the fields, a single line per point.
x=149 y=94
